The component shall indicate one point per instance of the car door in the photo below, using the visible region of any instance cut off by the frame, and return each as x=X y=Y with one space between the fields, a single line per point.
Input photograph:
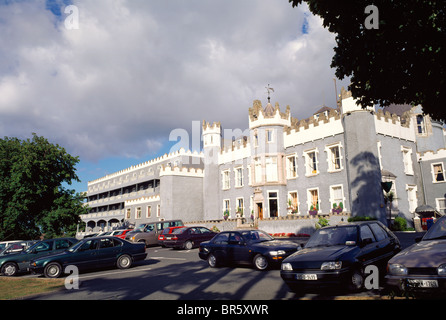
x=86 y=256
x=196 y=235
x=369 y=251
x=151 y=235
x=108 y=251
x=219 y=247
x=238 y=250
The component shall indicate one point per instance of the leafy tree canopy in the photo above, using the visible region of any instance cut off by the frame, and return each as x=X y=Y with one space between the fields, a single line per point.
x=398 y=58
x=32 y=198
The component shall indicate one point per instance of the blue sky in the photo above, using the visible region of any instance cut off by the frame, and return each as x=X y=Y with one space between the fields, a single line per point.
x=113 y=90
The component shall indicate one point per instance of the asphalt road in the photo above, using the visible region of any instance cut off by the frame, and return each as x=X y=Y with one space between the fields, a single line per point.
x=169 y=274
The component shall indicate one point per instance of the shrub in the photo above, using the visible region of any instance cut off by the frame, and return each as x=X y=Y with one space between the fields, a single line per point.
x=360 y=218
x=322 y=223
x=399 y=224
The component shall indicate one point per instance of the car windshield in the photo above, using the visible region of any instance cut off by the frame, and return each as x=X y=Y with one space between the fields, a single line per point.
x=333 y=237
x=437 y=231
x=256 y=236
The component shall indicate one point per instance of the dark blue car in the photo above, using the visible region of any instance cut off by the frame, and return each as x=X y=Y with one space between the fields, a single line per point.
x=91 y=253
x=253 y=247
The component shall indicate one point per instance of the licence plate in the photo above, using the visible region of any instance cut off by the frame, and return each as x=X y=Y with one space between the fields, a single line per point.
x=423 y=283
x=306 y=276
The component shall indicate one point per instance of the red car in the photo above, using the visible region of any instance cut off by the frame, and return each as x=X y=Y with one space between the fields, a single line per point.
x=162 y=236
x=188 y=238
x=122 y=234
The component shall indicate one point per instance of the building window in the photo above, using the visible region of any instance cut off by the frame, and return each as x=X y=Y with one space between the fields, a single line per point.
x=226 y=180
x=158 y=210
x=128 y=214
x=240 y=207
x=291 y=162
x=239 y=177
x=149 y=211
x=441 y=204
x=273 y=204
x=138 y=213
x=271 y=169
x=313 y=200
x=293 y=203
x=249 y=175
x=226 y=208
x=378 y=144
x=258 y=170
x=412 y=197
x=269 y=136
x=438 y=172
x=407 y=160
x=256 y=139
x=334 y=158
x=421 y=126
x=337 y=197
x=311 y=162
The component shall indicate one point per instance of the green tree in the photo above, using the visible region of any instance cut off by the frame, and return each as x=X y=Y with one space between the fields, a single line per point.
x=32 y=198
x=395 y=51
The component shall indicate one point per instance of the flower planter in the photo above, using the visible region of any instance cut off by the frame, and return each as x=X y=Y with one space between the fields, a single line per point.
x=312 y=212
x=337 y=211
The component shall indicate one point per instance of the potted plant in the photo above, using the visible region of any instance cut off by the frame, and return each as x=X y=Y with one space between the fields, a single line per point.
x=226 y=214
x=290 y=206
x=239 y=212
x=314 y=209
x=337 y=208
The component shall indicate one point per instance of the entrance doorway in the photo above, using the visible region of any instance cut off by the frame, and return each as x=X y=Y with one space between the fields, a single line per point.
x=260 y=210
x=273 y=207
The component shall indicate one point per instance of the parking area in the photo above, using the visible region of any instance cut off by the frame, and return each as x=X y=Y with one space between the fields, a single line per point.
x=168 y=274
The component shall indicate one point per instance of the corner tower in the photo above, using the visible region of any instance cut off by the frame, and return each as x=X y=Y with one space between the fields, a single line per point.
x=211 y=136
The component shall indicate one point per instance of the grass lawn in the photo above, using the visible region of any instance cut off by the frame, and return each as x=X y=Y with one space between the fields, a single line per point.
x=15 y=288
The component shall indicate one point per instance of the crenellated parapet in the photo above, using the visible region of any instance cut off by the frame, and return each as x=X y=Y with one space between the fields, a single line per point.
x=155 y=161
x=183 y=171
x=432 y=155
x=268 y=116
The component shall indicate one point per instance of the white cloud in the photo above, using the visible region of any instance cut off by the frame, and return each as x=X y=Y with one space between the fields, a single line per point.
x=137 y=69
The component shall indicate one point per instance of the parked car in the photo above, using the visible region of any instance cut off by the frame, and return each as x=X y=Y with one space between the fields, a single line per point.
x=337 y=255
x=121 y=233
x=162 y=236
x=90 y=253
x=421 y=268
x=254 y=247
x=148 y=232
x=12 y=264
x=188 y=238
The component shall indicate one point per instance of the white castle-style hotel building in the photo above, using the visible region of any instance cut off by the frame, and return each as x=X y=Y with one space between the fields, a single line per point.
x=286 y=172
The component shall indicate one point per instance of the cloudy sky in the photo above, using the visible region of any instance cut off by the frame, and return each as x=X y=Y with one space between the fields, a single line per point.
x=111 y=85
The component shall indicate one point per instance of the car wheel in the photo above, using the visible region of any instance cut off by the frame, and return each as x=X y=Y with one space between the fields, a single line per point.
x=188 y=245
x=356 y=281
x=212 y=261
x=53 y=270
x=124 y=261
x=10 y=269
x=260 y=262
